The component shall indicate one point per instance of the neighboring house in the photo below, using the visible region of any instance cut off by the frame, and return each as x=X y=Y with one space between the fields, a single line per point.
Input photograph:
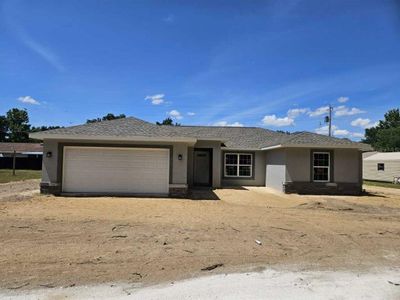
x=381 y=166
x=131 y=156
x=27 y=156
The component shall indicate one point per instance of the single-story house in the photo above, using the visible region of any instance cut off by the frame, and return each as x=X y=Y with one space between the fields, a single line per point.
x=28 y=156
x=132 y=156
x=381 y=166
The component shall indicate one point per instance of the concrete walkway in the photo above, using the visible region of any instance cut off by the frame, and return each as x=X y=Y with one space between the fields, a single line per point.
x=269 y=284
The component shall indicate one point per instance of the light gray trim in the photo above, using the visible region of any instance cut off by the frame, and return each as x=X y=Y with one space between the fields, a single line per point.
x=39 y=136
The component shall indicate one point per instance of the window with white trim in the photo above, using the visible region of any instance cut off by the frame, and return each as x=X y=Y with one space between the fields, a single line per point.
x=238 y=165
x=321 y=166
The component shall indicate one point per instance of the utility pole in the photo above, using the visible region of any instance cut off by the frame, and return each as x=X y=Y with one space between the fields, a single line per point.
x=328 y=119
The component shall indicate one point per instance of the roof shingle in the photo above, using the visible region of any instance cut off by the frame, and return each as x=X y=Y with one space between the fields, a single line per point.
x=233 y=137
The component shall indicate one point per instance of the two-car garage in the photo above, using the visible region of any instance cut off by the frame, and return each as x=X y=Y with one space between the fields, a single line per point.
x=115 y=170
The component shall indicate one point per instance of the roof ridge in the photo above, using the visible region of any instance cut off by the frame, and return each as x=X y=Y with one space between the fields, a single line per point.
x=219 y=126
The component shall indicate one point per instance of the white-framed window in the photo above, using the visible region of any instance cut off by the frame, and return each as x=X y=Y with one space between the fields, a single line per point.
x=381 y=166
x=321 y=166
x=238 y=165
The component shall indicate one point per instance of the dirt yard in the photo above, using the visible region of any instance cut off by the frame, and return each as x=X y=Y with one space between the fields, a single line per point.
x=51 y=241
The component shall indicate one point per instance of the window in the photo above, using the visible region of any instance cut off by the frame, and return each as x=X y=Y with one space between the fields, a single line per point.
x=238 y=165
x=381 y=167
x=321 y=166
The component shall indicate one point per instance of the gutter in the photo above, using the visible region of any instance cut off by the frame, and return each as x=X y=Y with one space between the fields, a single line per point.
x=79 y=137
x=319 y=146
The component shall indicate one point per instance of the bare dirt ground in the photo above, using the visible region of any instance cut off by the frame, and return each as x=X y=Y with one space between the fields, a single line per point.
x=51 y=241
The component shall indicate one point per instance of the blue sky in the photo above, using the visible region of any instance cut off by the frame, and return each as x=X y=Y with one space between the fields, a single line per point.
x=275 y=64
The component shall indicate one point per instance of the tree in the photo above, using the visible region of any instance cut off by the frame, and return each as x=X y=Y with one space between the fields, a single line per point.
x=3 y=128
x=386 y=135
x=43 y=128
x=18 y=125
x=107 y=117
x=168 y=121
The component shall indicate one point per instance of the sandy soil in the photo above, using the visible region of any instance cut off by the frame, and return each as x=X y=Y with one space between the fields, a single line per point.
x=19 y=190
x=65 y=241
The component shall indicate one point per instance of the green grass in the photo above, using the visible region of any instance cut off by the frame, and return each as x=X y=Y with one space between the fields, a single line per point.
x=7 y=176
x=382 y=184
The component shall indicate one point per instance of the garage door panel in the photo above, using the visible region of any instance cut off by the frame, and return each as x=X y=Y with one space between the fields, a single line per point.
x=116 y=170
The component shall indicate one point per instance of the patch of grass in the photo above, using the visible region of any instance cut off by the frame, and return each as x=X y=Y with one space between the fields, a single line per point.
x=382 y=184
x=7 y=176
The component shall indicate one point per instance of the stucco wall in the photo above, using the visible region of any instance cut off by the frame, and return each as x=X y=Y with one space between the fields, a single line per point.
x=258 y=178
x=50 y=164
x=347 y=165
x=298 y=164
x=276 y=169
x=51 y=171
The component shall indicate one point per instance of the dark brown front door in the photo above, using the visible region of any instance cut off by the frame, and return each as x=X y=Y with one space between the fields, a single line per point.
x=202 y=167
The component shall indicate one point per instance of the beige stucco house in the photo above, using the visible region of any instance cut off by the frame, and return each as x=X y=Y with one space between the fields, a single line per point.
x=131 y=156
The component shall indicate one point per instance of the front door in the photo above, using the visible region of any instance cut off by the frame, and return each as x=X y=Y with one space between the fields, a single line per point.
x=202 y=167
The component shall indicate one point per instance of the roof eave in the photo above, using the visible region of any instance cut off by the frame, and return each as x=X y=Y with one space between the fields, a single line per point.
x=362 y=147
x=81 y=137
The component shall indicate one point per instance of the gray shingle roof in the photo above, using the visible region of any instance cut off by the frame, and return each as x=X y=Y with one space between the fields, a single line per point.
x=233 y=137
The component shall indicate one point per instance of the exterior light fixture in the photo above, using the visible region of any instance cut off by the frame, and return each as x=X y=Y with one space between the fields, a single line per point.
x=49 y=154
x=180 y=157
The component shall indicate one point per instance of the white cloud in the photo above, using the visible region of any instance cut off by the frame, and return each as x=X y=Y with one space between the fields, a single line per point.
x=343 y=99
x=319 y=111
x=174 y=114
x=295 y=112
x=342 y=110
x=338 y=132
x=325 y=129
x=341 y=132
x=156 y=99
x=28 y=100
x=358 y=135
x=272 y=120
x=225 y=123
x=191 y=113
x=363 y=123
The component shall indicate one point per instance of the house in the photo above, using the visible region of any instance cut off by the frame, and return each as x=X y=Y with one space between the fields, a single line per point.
x=28 y=156
x=131 y=156
x=381 y=166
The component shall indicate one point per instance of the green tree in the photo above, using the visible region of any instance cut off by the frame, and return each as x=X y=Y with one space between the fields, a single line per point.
x=18 y=125
x=3 y=128
x=386 y=135
x=168 y=121
x=107 y=117
x=43 y=128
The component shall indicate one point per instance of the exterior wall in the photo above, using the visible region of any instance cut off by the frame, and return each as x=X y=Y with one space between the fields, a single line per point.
x=346 y=170
x=258 y=178
x=216 y=161
x=52 y=166
x=370 y=170
x=347 y=165
x=298 y=165
x=276 y=169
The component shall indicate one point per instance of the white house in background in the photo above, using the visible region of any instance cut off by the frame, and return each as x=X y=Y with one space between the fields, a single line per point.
x=381 y=166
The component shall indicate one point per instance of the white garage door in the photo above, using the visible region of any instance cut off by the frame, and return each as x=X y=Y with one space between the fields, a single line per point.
x=116 y=170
